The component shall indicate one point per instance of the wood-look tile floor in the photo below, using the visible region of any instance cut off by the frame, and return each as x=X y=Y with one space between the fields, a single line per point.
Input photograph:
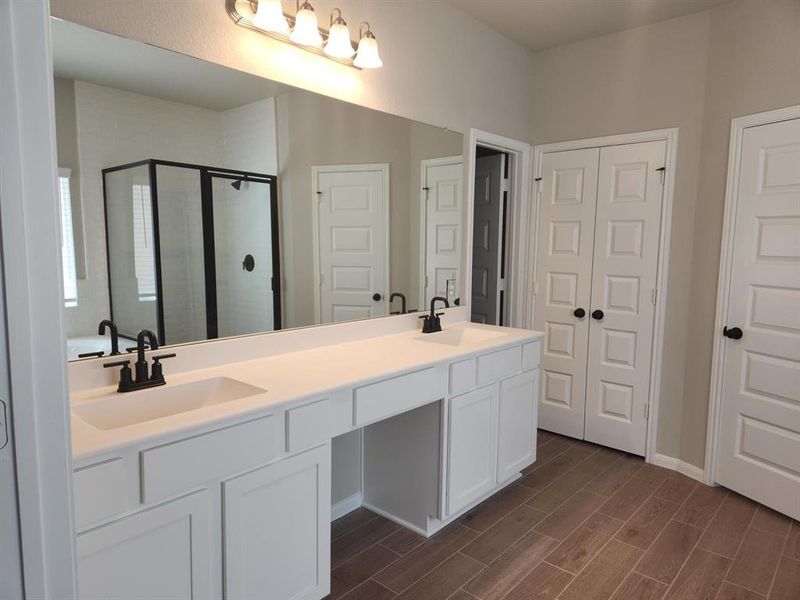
x=583 y=523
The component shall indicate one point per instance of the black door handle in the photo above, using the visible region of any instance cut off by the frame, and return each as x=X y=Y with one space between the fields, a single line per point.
x=579 y=312
x=598 y=315
x=377 y=297
x=733 y=333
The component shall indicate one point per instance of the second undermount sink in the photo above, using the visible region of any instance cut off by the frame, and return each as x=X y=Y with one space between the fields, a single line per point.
x=121 y=410
x=462 y=336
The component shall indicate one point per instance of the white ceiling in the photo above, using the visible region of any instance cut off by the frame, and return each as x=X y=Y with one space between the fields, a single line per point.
x=89 y=55
x=539 y=24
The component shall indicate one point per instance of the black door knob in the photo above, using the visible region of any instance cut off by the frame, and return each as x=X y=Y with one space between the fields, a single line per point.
x=579 y=312
x=598 y=315
x=377 y=297
x=733 y=333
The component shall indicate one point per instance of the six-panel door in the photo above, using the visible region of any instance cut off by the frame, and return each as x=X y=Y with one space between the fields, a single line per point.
x=277 y=529
x=161 y=553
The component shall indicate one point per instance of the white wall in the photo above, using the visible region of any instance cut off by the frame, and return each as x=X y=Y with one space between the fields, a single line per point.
x=695 y=73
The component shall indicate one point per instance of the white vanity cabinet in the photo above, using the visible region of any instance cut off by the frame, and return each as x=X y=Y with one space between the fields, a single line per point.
x=516 y=417
x=277 y=529
x=471 y=447
x=161 y=552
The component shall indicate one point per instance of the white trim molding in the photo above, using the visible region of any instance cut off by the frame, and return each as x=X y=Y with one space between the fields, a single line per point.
x=738 y=127
x=346 y=506
x=31 y=245
x=670 y=136
x=519 y=250
x=675 y=464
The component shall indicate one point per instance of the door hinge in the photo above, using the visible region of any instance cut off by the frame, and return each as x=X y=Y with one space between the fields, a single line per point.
x=319 y=196
x=502 y=284
x=663 y=171
x=3 y=425
x=646 y=412
x=654 y=296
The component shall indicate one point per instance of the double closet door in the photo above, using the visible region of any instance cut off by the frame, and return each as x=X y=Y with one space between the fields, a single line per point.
x=597 y=262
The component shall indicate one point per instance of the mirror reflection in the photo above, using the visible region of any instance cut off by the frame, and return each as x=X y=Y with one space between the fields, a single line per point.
x=200 y=202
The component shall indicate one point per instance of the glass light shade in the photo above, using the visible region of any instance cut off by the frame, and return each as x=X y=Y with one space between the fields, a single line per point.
x=306 y=30
x=367 y=57
x=269 y=16
x=339 y=45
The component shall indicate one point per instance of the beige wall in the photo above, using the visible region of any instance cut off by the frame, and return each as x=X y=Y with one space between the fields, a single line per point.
x=695 y=73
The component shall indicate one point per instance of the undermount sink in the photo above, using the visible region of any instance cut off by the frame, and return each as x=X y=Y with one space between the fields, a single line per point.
x=122 y=410
x=462 y=336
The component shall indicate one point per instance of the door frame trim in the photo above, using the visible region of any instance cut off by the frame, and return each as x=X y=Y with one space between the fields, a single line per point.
x=351 y=168
x=670 y=136
x=519 y=250
x=423 y=213
x=738 y=127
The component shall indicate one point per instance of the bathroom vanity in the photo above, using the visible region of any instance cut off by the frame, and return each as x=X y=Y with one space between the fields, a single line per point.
x=218 y=484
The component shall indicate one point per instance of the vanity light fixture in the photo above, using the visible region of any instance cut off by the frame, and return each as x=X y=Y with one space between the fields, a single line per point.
x=367 y=57
x=267 y=17
x=339 y=45
x=306 y=30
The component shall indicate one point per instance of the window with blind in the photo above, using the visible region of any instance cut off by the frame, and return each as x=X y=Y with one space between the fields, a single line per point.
x=67 y=240
x=144 y=253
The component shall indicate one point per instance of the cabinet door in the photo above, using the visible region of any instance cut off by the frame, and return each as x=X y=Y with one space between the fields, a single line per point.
x=160 y=553
x=472 y=447
x=516 y=424
x=277 y=530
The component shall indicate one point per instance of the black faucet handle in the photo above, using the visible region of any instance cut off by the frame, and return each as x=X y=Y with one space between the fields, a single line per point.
x=91 y=354
x=130 y=349
x=157 y=373
x=117 y=363
x=159 y=357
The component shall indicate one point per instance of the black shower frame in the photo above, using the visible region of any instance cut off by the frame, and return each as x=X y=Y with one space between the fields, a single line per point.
x=209 y=256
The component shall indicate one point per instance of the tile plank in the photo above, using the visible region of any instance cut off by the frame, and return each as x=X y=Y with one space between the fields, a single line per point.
x=584 y=543
x=445 y=579
x=351 y=520
x=647 y=522
x=539 y=478
x=727 y=528
x=757 y=560
x=369 y=590
x=734 y=592
x=358 y=569
x=666 y=556
x=545 y=582
x=403 y=541
x=787 y=581
x=630 y=496
x=639 y=587
x=792 y=549
x=555 y=494
x=570 y=515
x=356 y=540
x=676 y=488
x=701 y=577
x=500 y=577
x=603 y=574
x=501 y=536
x=771 y=521
x=608 y=482
x=490 y=511
x=701 y=506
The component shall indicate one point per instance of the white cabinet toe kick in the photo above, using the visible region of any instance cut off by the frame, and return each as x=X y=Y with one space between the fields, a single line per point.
x=241 y=508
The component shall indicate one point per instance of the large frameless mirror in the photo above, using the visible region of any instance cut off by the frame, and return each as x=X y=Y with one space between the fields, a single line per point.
x=201 y=202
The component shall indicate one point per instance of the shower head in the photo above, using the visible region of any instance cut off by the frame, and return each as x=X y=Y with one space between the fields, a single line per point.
x=237 y=185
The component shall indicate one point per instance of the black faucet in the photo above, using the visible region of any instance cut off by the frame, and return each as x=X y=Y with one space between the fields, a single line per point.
x=402 y=301
x=432 y=323
x=112 y=327
x=143 y=379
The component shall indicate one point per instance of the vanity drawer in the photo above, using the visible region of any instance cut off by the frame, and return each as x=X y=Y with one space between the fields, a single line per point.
x=308 y=425
x=496 y=365
x=462 y=376
x=98 y=492
x=531 y=355
x=386 y=398
x=180 y=466
x=341 y=411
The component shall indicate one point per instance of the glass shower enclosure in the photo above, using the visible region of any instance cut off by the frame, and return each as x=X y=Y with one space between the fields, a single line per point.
x=192 y=251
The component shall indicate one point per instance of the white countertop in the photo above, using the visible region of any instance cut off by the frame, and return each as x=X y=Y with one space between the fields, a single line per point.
x=288 y=378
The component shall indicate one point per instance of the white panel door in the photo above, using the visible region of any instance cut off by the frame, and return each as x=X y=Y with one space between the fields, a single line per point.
x=516 y=418
x=442 y=181
x=472 y=447
x=352 y=241
x=277 y=530
x=563 y=285
x=487 y=228
x=160 y=553
x=626 y=242
x=759 y=430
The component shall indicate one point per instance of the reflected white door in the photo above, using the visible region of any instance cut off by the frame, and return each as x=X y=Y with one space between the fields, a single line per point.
x=352 y=255
x=442 y=198
x=487 y=239
x=563 y=285
x=759 y=430
x=624 y=269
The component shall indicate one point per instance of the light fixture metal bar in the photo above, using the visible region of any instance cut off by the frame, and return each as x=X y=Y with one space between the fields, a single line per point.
x=243 y=21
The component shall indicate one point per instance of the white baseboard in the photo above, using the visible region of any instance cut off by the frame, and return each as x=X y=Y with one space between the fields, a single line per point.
x=345 y=506
x=396 y=519
x=688 y=469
